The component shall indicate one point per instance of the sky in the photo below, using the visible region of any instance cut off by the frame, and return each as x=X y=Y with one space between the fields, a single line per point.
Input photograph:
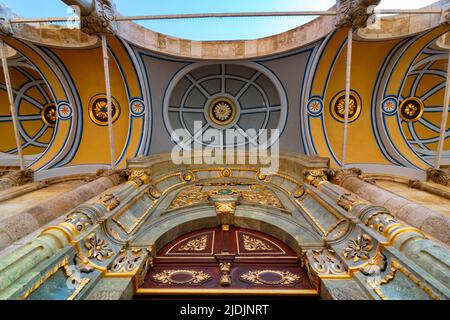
x=211 y=28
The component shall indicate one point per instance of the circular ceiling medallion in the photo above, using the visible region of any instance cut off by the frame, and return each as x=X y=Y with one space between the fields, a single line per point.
x=98 y=109
x=411 y=109
x=222 y=111
x=338 y=107
x=49 y=115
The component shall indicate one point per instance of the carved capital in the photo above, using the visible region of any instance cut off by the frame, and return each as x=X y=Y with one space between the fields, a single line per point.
x=101 y=20
x=315 y=177
x=338 y=176
x=5 y=18
x=140 y=176
x=354 y=13
x=16 y=178
x=116 y=176
x=440 y=176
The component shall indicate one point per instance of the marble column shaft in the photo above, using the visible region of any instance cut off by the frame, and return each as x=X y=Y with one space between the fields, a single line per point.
x=23 y=223
x=431 y=222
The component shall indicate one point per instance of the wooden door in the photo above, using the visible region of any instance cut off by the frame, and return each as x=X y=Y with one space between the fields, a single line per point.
x=234 y=262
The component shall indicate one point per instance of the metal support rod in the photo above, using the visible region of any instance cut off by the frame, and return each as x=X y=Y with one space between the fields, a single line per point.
x=347 y=93
x=11 y=103
x=228 y=15
x=443 y=132
x=108 y=99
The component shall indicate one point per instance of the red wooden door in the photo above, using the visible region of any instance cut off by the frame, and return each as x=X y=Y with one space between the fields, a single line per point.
x=234 y=262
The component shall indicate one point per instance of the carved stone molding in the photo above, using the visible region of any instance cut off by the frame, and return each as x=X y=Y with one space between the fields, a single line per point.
x=315 y=177
x=354 y=13
x=133 y=261
x=440 y=176
x=338 y=176
x=101 y=20
x=323 y=263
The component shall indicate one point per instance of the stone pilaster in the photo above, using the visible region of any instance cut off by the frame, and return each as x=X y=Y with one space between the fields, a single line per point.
x=16 y=178
x=354 y=13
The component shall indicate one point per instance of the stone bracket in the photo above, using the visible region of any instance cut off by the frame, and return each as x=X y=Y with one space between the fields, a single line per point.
x=354 y=13
x=5 y=18
x=101 y=20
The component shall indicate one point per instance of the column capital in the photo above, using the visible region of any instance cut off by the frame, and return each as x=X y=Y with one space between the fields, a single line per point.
x=440 y=176
x=101 y=20
x=5 y=17
x=315 y=177
x=354 y=13
x=338 y=176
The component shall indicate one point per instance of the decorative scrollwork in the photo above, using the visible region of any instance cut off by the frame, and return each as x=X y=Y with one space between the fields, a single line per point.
x=81 y=220
x=253 y=244
x=129 y=260
x=97 y=247
x=380 y=221
x=83 y=263
x=282 y=278
x=358 y=248
x=188 y=277
x=100 y=20
x=198 y=244
x=323 y=262
x=374 y=268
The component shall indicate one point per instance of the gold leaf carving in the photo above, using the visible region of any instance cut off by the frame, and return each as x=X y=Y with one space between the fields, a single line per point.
x=198 y=244
x=195 y=277
x=253 y=244
x=284 y=277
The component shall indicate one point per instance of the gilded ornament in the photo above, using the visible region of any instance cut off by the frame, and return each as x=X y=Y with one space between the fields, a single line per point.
x=338 y=107
x=198 y=244
x=358 y=248
x=260 y=195
x=187 y=176
x=299 y=193
x=257 y=277
x=348 y=201
x=411 y=109
x=253 y=244
x=109 y=201
x=323 y=262
x=191 y=196
x=154 y=193
x=374 y=268
x=225 y=173
x=81 y=220
x=222 y=111
x=140 y=177
x=49 y=115
x=190 y=277
x=98 y=109
x=129 y=260
x=315 y=177
x=225 y=278
x=97 y=247
x=380 y=221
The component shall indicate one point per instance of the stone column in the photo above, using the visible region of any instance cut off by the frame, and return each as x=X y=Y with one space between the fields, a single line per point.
x=23 y=223
x=17 y=268
x=15 y=178
x=433 y=223
x=411 y=242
